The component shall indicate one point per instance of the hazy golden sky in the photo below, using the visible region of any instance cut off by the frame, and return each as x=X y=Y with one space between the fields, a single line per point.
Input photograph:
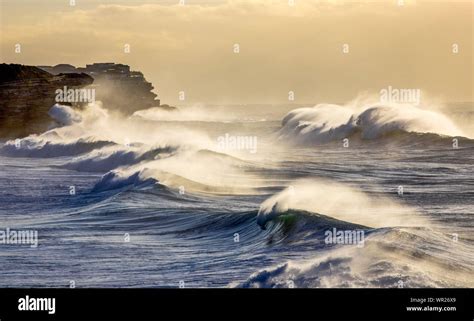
x=283 y=48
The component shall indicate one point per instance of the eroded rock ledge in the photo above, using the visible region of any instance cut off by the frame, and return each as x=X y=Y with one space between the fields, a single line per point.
x=26 y=95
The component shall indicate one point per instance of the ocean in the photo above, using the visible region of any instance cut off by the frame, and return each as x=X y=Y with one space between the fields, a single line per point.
x=241 y=196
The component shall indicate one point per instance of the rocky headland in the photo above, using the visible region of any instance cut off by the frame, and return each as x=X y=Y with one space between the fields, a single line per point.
x=28 y=92
x=26 y=95
x=115 y=85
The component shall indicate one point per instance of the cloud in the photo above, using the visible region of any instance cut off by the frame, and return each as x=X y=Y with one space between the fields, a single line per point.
x=282 y=47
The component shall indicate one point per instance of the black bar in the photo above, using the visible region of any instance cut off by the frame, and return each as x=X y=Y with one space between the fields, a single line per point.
x=239 y=304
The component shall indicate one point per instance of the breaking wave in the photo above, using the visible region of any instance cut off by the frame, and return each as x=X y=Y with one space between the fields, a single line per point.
x=390 y=257
x=150 y=162
x=400 y=248
x=130 y=152
x=339 y=201
x=43 y=147
x=326 y=123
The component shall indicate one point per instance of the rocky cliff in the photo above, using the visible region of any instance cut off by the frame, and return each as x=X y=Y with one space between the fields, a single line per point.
x=26 y=95
x=115 y=85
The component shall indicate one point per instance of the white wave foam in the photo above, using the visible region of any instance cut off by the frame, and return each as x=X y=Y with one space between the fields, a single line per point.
x=111 y=157
x=340 y=202
x=50 y=146
x=64 y=115
x=94 y=124
x=192 y=113
x=390 y=258
x=109 y=142
x=325 y=122
x=191 y=169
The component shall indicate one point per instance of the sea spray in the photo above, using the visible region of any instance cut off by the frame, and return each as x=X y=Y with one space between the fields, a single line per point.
x=338 y=201
x=325 y=122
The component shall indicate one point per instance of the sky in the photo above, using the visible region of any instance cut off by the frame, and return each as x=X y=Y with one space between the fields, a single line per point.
x=322 y=51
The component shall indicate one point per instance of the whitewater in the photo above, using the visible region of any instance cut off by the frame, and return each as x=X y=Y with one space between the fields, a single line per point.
x=154 y=200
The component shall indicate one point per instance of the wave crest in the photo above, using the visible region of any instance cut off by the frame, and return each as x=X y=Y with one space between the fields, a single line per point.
x=325 y=123
x=338 y=201
x=392 y=257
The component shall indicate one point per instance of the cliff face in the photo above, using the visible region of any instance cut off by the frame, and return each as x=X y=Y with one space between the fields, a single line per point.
x=26 y=95
x=115 y=85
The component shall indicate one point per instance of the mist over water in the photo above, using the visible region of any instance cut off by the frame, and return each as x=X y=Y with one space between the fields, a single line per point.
x=252 y=212
x=326 y=122
x=340 y=202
